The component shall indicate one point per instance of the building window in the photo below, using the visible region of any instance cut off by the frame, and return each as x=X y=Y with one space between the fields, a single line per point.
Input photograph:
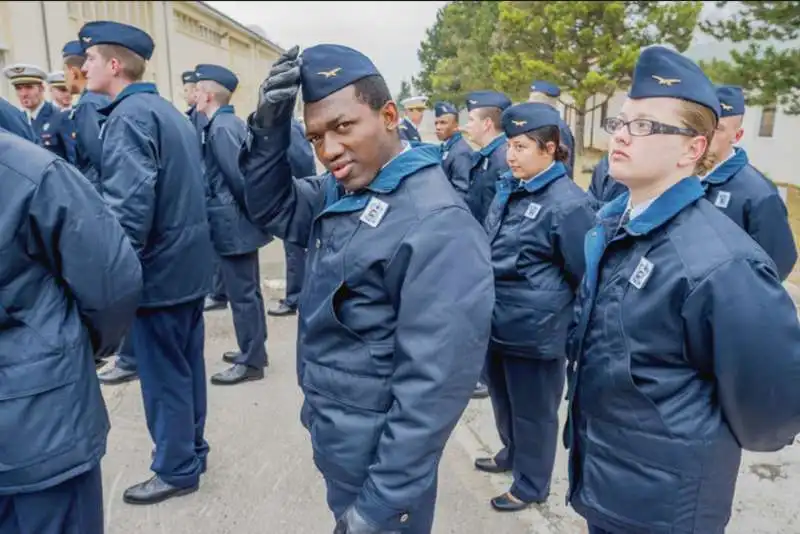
x=767 y=126
x=197 y=29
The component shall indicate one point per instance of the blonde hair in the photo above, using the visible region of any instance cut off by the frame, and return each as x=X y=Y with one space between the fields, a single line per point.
x=221 y=95
x=133 y=65
x=702 y=120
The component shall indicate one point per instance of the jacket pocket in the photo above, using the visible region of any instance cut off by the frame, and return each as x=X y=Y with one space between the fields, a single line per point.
x=646 y=482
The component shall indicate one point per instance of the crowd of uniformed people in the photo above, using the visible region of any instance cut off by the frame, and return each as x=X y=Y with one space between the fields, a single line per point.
x=424 y=275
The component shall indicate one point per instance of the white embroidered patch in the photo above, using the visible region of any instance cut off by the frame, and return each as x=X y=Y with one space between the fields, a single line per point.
x=642 y=273
x=374 y=212
x=444 y=155
x=102 y=129
x=533 y=210
x=46 y=126
x=723 y=199
x=485 y=163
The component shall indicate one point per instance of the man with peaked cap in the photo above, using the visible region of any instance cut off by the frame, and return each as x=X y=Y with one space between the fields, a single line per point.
x=46 y=120
x=414 y=108
x=745 y=195
x=15 y=121
x=235 y=237
x=152 y=179
x=71 y=285
x=301 y=160
x=386 y=364
x=548 y=93
x=58 y=90
x=456 y=153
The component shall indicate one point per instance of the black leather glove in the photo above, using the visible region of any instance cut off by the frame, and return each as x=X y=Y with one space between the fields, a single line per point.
x=278 y=92
x=351 y=522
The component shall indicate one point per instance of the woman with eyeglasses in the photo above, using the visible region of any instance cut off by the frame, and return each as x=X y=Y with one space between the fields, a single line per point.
x=687 y=347
x=536 y=225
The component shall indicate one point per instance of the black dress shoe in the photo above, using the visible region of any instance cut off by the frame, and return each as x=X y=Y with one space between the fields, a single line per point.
x=230 y=357
x=116 y=375
x=481 y=391
x=282 y=310
x=237 y=374
x=213 y=304
x=488 y=465
x=508 y=503
x=155 y=490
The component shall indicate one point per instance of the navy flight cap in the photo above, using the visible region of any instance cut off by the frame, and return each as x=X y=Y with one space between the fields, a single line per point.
x=216 y=73
x=115 y=33
x=731 y=100
x=72 y=48
x=444 y=108
x=529 y=116
x=545 y=87
x=327 y=68
x=487 y=99
x=664 y=73
x=188 y=76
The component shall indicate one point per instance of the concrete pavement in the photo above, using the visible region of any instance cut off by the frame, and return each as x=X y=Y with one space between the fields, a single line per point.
x=261 y=478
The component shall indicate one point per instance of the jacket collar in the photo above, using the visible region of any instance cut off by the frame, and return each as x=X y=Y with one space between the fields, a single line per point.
x=228 y=109
x=662 y=210
x=728 y=168
x=491 y=147
x=452 y=140
x=132 y=89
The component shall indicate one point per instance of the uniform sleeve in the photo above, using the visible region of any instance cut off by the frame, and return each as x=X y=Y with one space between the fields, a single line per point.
x=87 y=122
x=130 y=169
x=572 y=225
x=301 y=156
x=742 y=329
x=76 y=235
x=440 y=345
x=279 y=204
x=596 y=185
x=768 y=225
x=460 y=169
x=225 y=144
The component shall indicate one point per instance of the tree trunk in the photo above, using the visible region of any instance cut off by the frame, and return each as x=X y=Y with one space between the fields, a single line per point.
x=580 y=130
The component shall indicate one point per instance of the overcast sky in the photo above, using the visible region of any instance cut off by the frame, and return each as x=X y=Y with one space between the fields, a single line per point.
x=388 y=32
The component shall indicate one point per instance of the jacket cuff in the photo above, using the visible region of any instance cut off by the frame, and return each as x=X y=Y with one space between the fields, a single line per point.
x=375 y=510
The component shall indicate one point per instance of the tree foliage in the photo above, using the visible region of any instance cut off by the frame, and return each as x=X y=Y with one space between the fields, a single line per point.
x=405 y=91
x=587 y=48
x=769 y=73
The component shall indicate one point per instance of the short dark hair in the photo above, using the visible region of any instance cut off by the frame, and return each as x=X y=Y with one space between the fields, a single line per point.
x=373 y=91
x=74 y=61
x=549 y=134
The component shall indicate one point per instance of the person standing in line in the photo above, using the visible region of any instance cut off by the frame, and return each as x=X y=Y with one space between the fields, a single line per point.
x=456 y=152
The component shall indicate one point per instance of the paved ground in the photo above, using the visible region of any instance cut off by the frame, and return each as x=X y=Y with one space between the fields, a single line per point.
x=261 y=478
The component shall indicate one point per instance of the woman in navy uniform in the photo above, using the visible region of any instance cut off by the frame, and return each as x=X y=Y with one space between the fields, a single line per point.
x=536 y=225
x=687 y=347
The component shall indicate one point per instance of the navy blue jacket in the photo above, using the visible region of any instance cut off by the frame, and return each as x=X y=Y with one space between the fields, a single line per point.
x=301 y=155
x=408 y=132
x=85 y=119
x=52 y=131
x=387 y=364
x=70 y=286
x=14 y=120
x=568 y=140
x=536 y=229
x=457 y=162
x=198 y=121
x=232 y=232
x=686 y=350
x=488 y=164
x=152 y=178
x=603 y=188
x=752 y=201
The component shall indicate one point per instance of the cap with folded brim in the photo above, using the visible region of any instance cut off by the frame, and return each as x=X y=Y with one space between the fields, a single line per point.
x=328 y=68
x=216 y=73
x=487 y=99
x=188 y=77
x=664 y=73
x=115 y=33
x=731 y=100
x=72 y=48
x=546 y=88
x=444 y=108
x=528 y=116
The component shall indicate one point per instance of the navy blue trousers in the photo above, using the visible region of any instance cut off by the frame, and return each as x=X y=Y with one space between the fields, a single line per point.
x=125 y=359
x=525 y=395
x=342 y=495
x=72 y=507
x=218 y=290
x=168 y=345
x=243 y=282
x=295 y=271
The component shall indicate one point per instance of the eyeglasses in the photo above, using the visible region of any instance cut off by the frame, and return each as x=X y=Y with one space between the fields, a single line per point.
x=645 y=127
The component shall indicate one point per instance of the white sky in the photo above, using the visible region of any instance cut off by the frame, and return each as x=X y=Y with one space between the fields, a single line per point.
x=388 y=32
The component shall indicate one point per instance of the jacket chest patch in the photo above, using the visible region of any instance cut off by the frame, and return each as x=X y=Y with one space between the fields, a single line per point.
x=642 y=273
x=532 y=211
x=46 y=126
x=485 y=164
x=723 y=199
x=444 y=155
x=374 y=212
